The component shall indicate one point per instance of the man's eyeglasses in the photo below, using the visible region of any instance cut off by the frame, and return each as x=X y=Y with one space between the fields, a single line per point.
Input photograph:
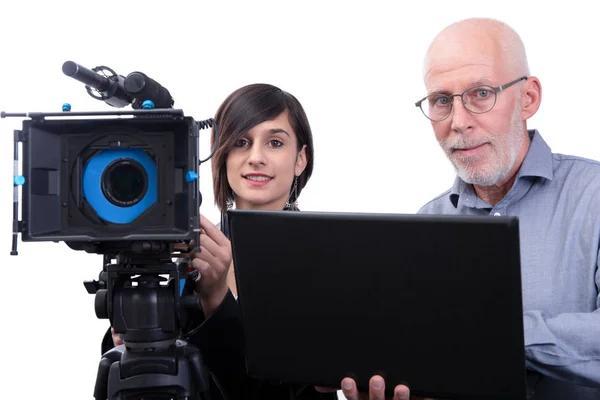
x=478 y=100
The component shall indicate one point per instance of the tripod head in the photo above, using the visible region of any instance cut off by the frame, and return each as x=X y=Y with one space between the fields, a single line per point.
x=127 y=189
x=139 y=291
x=140 y=294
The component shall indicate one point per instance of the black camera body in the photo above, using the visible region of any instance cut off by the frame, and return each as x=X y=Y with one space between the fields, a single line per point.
x=117 y=179
x=123 y=184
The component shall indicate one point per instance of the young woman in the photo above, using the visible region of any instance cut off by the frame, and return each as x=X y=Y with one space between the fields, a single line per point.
x=264 y=160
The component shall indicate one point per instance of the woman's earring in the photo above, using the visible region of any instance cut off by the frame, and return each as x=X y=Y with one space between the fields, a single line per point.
x=292 y=202
x=230 y=199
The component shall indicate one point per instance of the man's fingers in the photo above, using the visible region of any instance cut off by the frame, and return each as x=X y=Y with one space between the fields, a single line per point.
x=401 y=392
x=349 y=389
x=376 y=388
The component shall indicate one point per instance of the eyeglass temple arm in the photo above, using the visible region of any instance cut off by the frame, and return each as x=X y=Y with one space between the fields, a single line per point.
x=500 y=88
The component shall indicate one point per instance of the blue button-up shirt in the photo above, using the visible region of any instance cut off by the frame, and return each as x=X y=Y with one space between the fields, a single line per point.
x=557 y=200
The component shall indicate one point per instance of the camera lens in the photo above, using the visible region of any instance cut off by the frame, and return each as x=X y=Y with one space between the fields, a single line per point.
x=124 y=182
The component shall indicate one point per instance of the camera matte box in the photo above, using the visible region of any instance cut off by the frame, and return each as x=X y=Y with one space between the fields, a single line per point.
x=55 y=153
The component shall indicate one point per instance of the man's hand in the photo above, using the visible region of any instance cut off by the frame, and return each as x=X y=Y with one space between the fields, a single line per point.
x=376 y=390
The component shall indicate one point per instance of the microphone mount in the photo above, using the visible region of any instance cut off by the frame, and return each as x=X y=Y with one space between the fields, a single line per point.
x=136 y=89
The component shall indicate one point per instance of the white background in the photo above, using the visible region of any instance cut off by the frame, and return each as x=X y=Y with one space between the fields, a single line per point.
x=355 y=67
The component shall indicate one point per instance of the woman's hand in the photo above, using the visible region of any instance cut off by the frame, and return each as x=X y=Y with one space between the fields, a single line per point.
x=117 y=341
x=212 y=262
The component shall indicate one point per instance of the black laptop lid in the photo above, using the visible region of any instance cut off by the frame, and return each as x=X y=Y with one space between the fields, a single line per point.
x=430 y=301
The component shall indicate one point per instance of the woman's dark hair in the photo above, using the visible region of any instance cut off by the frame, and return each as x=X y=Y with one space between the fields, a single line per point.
x=242 y=110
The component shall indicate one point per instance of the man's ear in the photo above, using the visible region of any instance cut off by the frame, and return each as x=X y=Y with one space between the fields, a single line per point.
x=301 y=161
x=531 y=97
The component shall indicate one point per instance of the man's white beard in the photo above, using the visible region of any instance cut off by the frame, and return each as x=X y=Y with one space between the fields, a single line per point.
x=505 y=146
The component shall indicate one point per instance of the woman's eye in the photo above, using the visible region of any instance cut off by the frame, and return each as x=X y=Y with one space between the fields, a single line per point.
x=275 y=143
x=241 y=143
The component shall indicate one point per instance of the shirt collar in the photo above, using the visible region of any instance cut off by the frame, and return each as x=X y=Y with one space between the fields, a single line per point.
x=537 y=163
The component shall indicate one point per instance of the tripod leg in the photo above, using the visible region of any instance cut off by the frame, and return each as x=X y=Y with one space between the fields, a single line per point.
x=110 y=357
x=177 y=371
x=198 y=371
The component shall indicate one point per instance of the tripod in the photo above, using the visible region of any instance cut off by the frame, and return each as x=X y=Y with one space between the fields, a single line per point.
x=145 y=308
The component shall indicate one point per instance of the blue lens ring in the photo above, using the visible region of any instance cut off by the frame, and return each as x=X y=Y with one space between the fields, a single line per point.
x=92 y=185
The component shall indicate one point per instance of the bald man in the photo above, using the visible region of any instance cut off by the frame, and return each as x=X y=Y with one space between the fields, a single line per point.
x=480 y=95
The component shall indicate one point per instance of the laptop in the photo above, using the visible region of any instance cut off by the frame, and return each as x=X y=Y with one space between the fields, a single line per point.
x=430 y=301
